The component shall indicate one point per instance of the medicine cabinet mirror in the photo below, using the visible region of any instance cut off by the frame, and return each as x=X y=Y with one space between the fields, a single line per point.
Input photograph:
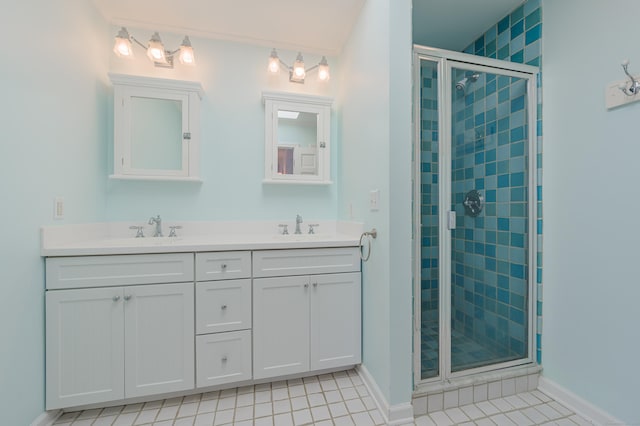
x=297 y=136
x=156 y=128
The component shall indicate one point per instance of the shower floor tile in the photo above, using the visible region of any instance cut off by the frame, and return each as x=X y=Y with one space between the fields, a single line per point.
x=465 y=351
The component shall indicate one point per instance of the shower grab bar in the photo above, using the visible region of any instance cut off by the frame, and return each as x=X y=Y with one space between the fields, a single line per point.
x=373 y=234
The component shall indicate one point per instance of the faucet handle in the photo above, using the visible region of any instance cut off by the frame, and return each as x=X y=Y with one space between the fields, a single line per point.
x=139 y=233
x=172 y=233
x=311 y=226
x=285 y=228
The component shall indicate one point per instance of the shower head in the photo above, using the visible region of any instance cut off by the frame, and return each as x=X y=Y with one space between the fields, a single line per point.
x=462 y=84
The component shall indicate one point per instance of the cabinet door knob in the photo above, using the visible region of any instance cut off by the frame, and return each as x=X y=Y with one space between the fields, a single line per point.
x=224 y=359
x=306 y=285
x=315 y=284
x=223 y=307
x=115 y=298
x=223 y=266
x=127 y=297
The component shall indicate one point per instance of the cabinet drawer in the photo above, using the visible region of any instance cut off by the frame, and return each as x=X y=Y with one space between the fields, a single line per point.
x=223 y=265
x=105 y=271
x=274 y=263
x=223 y=306
x=223 y=358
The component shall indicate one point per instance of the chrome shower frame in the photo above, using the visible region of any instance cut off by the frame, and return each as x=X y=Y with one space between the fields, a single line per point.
x=445 y=60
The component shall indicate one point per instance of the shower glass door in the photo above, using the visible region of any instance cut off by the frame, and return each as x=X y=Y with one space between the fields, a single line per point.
x=489 y=189
x=473 y=214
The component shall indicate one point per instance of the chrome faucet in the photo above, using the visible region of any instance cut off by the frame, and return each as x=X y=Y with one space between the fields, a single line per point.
x=158 y=222
x=298 y=222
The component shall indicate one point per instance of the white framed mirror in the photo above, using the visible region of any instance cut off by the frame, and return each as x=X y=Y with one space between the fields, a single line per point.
x=297 y=138
x=156 y=128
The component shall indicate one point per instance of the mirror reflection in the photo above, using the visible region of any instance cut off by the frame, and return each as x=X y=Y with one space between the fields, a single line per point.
x=156 y=133
x=297 y=147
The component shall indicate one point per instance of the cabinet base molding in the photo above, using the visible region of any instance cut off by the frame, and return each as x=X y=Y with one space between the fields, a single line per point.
x=394 y=415
x=196 y=391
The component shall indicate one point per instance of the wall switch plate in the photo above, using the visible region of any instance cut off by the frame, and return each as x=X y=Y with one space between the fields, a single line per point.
x=58 y=208
x=374 y=200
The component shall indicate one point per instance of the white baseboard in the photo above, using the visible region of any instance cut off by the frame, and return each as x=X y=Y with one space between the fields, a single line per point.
x=575 y=403
x=394 y=415
x=47 y=418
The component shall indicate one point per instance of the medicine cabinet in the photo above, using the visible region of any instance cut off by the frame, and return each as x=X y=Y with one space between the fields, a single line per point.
x=156 y=128
x=297 y=138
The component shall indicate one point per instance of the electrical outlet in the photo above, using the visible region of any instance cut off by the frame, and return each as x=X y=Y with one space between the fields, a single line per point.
x=58 y=208
x=374 y=200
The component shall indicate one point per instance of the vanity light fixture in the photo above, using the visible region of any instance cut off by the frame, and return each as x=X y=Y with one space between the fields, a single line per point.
x=297 y=72
x=156 y=51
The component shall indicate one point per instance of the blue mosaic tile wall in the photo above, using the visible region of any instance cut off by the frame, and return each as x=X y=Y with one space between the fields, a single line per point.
x=517 y=38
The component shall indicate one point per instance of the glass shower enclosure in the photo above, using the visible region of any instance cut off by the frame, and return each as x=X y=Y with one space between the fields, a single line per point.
x=474 y=214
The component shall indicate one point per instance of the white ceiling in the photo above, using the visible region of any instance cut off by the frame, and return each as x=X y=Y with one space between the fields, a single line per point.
x=453 y=24
x=318 y=26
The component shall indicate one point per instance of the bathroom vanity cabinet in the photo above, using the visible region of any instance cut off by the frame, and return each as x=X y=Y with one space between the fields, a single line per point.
x=112 y=335
x=305 y=320
x=223 y=317
x=120 y=327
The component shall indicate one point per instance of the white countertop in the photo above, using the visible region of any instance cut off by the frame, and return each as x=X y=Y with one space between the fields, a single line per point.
x=116 y=237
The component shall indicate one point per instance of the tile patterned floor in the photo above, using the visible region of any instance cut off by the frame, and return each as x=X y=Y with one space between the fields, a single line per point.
x=332 y=399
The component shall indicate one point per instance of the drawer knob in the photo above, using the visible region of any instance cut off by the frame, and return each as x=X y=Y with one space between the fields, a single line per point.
x=223 y=307
x=224 y=358
x=116 y=298
x=223 y=266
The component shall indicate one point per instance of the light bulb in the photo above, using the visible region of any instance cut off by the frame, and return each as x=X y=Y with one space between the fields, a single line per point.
x=274 y=62
x=323 y=70
x=186 y=56
x=298 y=73
x=122 y=46
x=155 y=50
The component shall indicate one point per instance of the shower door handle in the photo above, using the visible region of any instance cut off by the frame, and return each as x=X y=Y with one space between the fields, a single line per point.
x=451 y=219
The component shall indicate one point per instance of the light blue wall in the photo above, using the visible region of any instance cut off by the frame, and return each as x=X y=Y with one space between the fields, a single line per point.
x=376 y=154
x=234 y=76
x=53 y=144
x=591 y=177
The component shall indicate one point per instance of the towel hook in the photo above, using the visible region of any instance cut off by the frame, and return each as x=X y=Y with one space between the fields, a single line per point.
x=632 y=87
x=373 y=234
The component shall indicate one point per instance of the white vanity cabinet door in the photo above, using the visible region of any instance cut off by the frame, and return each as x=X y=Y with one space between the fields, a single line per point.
x=335 y=320
x=159 y=338
x=280 y=326
x=223 y=306
x=223 y=358
x=84 y=346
